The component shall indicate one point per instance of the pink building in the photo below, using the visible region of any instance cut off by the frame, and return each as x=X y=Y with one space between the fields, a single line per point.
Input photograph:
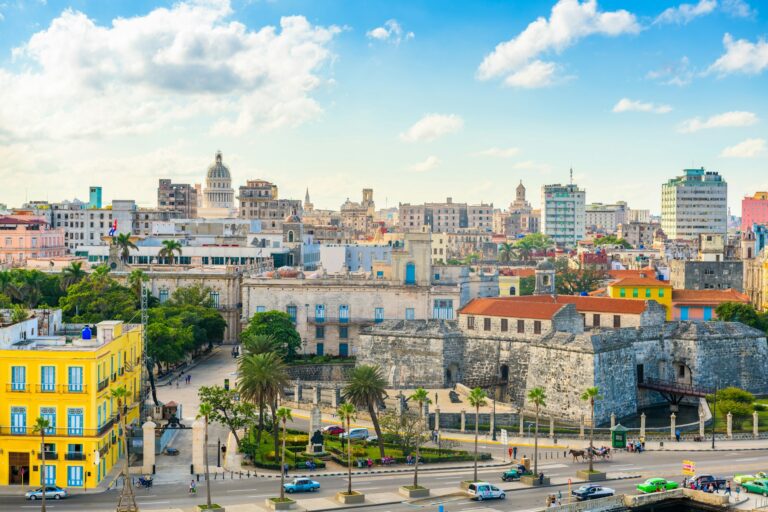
x=754 y=210
x=23 y=236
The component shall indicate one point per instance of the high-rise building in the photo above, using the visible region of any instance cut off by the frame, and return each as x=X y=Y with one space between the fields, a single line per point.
x=693 y=204
x=258 y=200
x=606 y=217
x=447 y=217
x=563 y=216
x=177 y=197
x=94 y=197
x=754 y=210
x=218 y=192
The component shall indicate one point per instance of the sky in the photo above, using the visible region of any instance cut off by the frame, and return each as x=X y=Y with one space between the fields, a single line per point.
x=418 y=99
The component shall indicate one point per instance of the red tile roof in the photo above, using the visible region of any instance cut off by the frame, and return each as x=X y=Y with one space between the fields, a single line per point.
x=585 y=303
x=708 y=296
x=505 y=308
x=621 y=274
x=639 y=281
x=16 y=220
x=520 y=272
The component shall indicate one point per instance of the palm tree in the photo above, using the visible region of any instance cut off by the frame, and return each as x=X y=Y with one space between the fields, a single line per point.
x=136 y=279
x=261 y=380
x=477 y=400
x=31 y=290
x=259 y=344
x=169 y=247
x=41 y=425
x=74 y=273
x=506 y=252
x=421 y=397
x=124 y=243
x=590 y=395
x=347 y=413
x=283 y=415
x=537 y=397
x=205 y=412
x=121 y=394
x=366 y=387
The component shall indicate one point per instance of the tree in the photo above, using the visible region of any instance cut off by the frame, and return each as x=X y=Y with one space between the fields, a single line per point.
x=169 y=248
x=120 y=395
x=71 y=274
x=537 y=397
x=421 y=397
x=612 y=240
x=136 y=280
x=260 y=344
x=41 y=425
x=279 y=326
x=96 y=298
x=262 y=379
x=19 y=313
x=283 y=415
x=347 y=413
x=531 y=244
x=195 y=295
x=205 y=413
x=738 y=402
x=477 y=400
x=570 y=281
x=124 y=244
x=404 y=430
x=527 y=285
x=226 y=408
x=366 y=388
x=591 y=395
x=740 y=312
x=506 y=252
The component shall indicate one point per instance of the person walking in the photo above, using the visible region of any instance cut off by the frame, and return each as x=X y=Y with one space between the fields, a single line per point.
x=728 y=488
x=677 y=435
x=192 y=487
x=514 y=452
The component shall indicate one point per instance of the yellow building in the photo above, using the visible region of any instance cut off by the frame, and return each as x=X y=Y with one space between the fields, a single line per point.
x=68 y=382
x=643 y=288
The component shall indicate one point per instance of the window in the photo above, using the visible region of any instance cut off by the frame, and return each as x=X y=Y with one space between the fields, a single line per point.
x=48 y=379
x=320 y=332
x=18 y=420
x=261 y=309
x=595 y=320
x=470 y=322
x=378 y=315
x=616 y=321
x=521 y=326
x=640 y=373
x=74 y=476
x=163 y=295
x=504 y=325
x=214 y=299
x=442 y=309
x=319 y=313
x=50 y=475
x=647 y=293
x=410 y=314
x=661 y=292
x=75 y=421
x=343 y=332
x=319 y=349
x=622 y=292
x=344 y=313
x=486 y=324
x=681 y=370
x=291 y=310
x=634 y=292
x=537 y=327
x=18 y=378
x=49 y=413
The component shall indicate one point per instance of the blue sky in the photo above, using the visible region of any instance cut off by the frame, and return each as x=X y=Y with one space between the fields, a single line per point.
x=413 y=98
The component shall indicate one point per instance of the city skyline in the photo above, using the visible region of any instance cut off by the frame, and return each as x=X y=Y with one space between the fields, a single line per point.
x=461 y=102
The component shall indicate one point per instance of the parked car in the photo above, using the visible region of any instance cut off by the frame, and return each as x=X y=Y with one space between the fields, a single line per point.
x=51 y=492
x=592 y=492
x=356 y=433
x=704 y=480
x=757 y=487
x=511 y=474
x=656 y=485
x=301 y=485
x=373 y=439
x=171 y=451
x=483 y=491
x=333 y=430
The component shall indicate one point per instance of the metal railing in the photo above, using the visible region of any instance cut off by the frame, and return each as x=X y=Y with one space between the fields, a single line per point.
x=120 y=371
x=671 y=386
x=51 y=432
x=48 y=456
x=17 y=387
x=74 y=456
x=23 y=387
x=103 y=384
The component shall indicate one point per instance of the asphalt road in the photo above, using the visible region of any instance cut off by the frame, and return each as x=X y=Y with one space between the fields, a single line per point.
x=254 y=490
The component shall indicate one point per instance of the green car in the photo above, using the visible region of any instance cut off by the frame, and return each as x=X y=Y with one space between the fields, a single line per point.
x=656 y=485
x=510 y=475
x=757 y=487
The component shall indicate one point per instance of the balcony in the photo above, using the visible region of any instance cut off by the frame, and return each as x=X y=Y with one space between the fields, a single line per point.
x=331 y=320
x=114 y=377
x=17 y=387
x=106 y=427
x=103 y=384
x=75 y=388
x=74 y=456
x=48 y=456
x=51 y=432
x=120 y=371
x=46 y=388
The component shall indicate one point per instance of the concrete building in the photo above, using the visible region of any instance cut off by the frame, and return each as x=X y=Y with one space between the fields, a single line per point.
x=637 y=234
x=605 y=218
x=357 y=218
x=259 y=200
x=23 y=237
x=700 y=305
x=520 y=219
x=693 y=204
x=639 y=215
x=87 y=227
x=707 y=275
x=94 y=198
x=177 y=197
x=563 y=215
x=218 y=192
x=340 y=258
x=754 y=210
x=447 y=217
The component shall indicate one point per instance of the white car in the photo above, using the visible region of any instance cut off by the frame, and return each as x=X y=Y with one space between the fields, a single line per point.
x=484 y=491
x=356 y=433
x=51 y=492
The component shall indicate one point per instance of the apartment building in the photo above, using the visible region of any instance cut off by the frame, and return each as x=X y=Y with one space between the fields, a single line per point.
x=563 y=215
x=177 y=197
x=693 y=204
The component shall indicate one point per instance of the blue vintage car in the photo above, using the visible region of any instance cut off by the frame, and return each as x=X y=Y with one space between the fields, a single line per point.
x=301 y=485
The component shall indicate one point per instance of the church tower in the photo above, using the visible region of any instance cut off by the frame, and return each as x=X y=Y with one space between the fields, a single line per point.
x=308 y=206
x=545 y=278
x=520 y=193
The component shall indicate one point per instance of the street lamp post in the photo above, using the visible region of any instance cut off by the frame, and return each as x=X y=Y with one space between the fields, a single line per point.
x=495 y=389
x=218 y=454
x=714 y=414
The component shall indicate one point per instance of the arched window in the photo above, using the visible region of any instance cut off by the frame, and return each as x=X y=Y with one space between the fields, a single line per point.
x=512 y=291
x=504 y=370
x=290 y=236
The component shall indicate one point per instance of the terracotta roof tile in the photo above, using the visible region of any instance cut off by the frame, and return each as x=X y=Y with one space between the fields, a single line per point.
x=639 y=281
x=586 y=303
x=708 y=296
x=621 y=274
x=506 y=308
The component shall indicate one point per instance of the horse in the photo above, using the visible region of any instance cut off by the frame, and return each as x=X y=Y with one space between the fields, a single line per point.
x=576 y=454
x=602 y=453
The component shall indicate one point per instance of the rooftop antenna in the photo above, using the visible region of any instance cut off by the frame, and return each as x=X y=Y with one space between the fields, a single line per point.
x=571 y=175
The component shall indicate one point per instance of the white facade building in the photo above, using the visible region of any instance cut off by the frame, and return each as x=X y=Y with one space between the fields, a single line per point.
x=693 y=204
x=606 y=217
x=563 y=213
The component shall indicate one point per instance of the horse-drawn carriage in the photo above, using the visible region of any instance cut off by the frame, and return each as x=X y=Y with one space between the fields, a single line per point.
x=602 y=453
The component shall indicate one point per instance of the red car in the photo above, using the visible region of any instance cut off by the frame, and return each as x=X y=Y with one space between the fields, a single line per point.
x=333 y=430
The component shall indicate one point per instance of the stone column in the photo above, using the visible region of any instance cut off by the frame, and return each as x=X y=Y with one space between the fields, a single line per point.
x=148 y=431
x=437 y=419
x=729 y=425
x=233 y=459
x=463 y=420
x=672 y=421
x=336 y=399
x=317 y=395
x=613 y=420
x=401 y=404
x=198 y=445
x=551 y=426
x=581 y=427
x=297 y=389
x=701 y=424
x=425 y=415
x=491 y=424
x=755 y=433
x=522 y=423
x=642 y=425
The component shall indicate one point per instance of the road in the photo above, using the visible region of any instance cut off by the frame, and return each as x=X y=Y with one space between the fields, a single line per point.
x=254 y=490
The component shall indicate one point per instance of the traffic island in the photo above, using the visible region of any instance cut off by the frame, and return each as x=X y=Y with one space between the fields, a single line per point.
x=534 y=481
x=353 y=498
x=413 y=492
x=279 y=503
x=213 y=508
x=591 y=476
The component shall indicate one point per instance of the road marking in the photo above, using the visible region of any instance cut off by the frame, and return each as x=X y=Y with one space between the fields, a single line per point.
x=239 y=490
x=259 y=495
x=154 y=502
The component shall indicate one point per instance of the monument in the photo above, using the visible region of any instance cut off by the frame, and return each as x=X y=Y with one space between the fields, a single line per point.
x=315 y=442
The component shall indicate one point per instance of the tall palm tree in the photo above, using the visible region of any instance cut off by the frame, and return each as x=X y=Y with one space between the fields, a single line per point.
x=537 y=397
x=347 y=413
x=421 y=397
x=261 y=379
x=477 y=400
x=121 y=394
x=506 y=252
x=591 y=395
x=136 y=279
x=73 y=273
x=124 y=243
x=31 y=290
x=260 y=344
x=169 y=248
x=41 y=425
x=283 y=415
x=205 y=412
x=366 y=387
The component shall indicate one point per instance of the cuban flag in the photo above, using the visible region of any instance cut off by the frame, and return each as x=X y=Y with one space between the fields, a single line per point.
x=113 y=229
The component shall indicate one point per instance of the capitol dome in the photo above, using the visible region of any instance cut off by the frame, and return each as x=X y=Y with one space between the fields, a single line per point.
x=218 y=192
x=218 y=170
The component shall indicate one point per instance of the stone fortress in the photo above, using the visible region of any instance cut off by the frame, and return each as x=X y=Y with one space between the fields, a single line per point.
x=519 y=343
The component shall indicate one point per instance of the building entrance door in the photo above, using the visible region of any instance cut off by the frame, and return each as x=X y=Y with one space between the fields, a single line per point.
x=19 y=468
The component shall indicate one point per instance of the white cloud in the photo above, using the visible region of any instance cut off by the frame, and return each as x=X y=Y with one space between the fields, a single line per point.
x=137 y=75
x=678 y=73
x=627 y=105
x=427 y=165
x=499 y=152
x=391 y=32
x=725 y=120
x=684 y=13
x=738 y=8
x=741 y=56
x=432 y=126
x=569 y=21
x=749 y=148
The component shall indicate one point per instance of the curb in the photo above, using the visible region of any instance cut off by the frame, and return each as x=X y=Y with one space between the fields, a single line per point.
x=380 y=471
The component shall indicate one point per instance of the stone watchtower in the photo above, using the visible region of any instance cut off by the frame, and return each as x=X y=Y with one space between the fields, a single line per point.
x=545 y=278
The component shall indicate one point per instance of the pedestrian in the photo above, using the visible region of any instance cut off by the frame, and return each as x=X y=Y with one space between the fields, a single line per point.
x=192 y=487
x=541 y=478
x=285 y=469
x=677 y=435
x=514 y=452
x=177 y=383
x=738 y=493
x=728 y=488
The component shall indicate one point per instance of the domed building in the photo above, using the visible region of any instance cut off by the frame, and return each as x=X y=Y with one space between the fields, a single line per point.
x=218 y=191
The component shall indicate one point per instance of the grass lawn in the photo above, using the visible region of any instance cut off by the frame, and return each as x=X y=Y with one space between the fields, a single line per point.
x=746 y=425
x=363 y=450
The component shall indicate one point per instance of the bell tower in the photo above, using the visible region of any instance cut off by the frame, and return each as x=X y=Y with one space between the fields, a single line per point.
x=545 y=278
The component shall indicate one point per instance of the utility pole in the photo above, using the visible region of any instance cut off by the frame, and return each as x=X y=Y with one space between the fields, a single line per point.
x=714 y=414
